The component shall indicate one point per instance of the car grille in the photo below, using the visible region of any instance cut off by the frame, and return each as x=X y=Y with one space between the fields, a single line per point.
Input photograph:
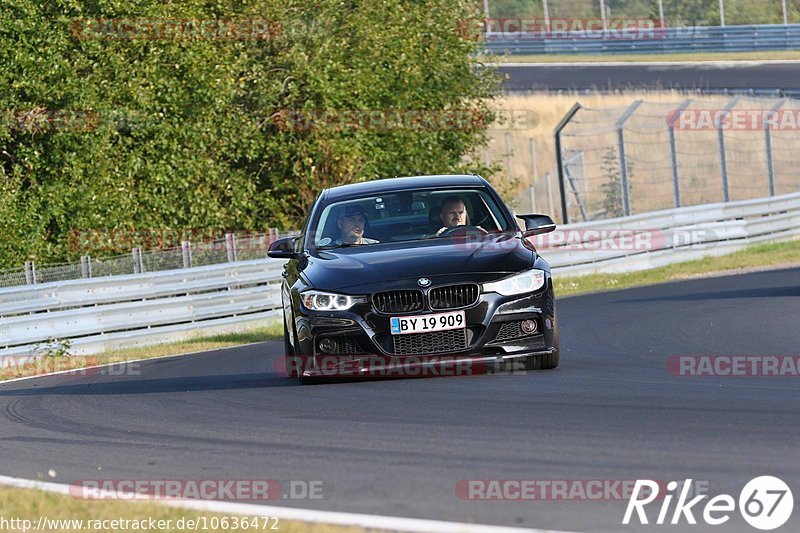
x=453 y=296
x=430 y=343
x=397 y=301
x=348 y=345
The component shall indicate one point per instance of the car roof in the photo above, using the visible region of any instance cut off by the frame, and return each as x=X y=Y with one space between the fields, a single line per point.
x=387 y=185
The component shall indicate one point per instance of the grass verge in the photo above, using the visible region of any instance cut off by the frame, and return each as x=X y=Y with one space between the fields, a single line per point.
x=757 y=257
x=776 y=55
x=28 y=504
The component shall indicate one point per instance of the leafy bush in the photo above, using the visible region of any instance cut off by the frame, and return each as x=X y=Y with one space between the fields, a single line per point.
x=187 y=133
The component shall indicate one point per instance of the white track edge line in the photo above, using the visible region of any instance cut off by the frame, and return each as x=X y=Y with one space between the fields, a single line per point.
x=394 y=523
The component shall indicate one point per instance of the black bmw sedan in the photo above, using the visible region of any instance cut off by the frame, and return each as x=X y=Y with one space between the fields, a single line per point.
x=425 y=275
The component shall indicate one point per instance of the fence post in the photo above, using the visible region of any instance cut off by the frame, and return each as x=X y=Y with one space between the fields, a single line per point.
x=768 y=142
x=273 y=235
x=534 y=175
x=546 y=11
x=723 y=161
x=230 y=246
x=673 y=153
x=623 y=163
x=186 y=254
x=30 y=272
x=559 y=159
x=86 y=266
x=509 y=157
x=137 y=260
x=549 y=182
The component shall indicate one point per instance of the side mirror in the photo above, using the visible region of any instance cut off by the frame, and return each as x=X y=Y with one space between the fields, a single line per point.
x=283 y=248
x=537 y=224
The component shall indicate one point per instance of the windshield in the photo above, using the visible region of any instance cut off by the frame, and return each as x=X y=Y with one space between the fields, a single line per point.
x=408 y=216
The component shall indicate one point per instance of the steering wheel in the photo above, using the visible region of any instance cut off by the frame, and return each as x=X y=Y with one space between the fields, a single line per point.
x=463 y=230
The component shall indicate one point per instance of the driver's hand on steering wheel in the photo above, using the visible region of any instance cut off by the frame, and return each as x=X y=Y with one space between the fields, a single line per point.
x=445 y=228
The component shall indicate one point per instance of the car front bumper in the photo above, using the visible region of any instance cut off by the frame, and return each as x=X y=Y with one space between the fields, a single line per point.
x=365 y=344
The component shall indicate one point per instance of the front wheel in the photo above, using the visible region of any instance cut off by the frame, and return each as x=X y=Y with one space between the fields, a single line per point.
x=546 y=361
x=288 y=355
x=550 y=361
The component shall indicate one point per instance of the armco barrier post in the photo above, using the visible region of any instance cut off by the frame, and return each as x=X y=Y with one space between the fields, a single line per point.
x=186 y=254
x=673 y=153
x=623 y=162
x=230 y=246
x=136 y=253
x=509 y=158
x=30 y=272
x=534 y=174
x=768 y=147
x=86 y=266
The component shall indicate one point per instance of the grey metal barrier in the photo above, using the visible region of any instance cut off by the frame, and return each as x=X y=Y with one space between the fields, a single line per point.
x=658 y=40
x=111 y=312
x=231 y=247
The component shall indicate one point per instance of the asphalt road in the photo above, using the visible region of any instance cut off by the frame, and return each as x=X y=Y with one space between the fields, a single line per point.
x=683 y=76
x=611 y=411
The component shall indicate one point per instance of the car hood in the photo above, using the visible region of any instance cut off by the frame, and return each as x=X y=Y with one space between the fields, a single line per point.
x=441 y=260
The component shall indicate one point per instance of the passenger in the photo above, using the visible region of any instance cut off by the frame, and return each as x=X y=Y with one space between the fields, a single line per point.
x=352 y=223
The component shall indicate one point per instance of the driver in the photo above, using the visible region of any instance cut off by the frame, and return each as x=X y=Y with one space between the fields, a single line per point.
x=453 y=212
x=352 y=223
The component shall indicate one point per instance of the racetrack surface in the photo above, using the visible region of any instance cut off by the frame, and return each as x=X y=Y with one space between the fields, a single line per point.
x=399 y=447
x=711 y=76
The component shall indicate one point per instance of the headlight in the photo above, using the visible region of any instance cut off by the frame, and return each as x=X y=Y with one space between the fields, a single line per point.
x=328 y=301
x=528 y=281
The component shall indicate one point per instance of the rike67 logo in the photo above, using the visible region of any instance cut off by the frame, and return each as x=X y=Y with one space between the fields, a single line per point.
x=765 y=503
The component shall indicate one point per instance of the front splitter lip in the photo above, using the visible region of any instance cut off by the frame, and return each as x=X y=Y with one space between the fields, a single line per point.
x=412 y=365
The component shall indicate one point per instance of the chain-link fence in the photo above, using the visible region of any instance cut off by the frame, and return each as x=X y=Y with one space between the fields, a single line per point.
x=231 y=247
x=649 y=156
x=671 y=12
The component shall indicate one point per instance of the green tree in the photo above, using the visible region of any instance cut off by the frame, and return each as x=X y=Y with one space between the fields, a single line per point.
x=187 y=132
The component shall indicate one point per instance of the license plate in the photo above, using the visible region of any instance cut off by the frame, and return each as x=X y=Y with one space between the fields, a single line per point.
x=425 y=323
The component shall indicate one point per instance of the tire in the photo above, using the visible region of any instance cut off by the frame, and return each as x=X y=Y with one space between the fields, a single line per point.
x=547 y=361
x=550 y=361
x=288 y=355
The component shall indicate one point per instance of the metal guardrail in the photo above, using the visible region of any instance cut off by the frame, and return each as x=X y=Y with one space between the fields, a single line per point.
x=669 y=236
x=131 y=310
x=186 y=254
x=659 y=40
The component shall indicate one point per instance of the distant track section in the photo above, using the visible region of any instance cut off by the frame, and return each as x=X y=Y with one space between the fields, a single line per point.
x=761 y=77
